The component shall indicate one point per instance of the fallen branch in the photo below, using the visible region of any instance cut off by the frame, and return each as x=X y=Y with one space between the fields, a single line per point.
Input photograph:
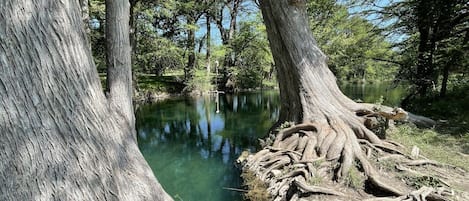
x=235 y=189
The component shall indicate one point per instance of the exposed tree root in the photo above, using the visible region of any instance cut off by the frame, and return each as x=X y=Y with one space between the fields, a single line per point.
x=305 y=158
x=306 y=188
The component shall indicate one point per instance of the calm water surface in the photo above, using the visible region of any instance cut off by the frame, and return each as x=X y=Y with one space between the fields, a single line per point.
x=191 y=148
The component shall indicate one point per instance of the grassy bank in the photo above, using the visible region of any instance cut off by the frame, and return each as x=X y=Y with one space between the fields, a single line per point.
x=444 y=148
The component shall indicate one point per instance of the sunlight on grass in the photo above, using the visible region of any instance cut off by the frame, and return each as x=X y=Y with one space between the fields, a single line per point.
x=443 y=148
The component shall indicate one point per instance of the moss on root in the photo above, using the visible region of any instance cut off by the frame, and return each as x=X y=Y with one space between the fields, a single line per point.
x=257 y=189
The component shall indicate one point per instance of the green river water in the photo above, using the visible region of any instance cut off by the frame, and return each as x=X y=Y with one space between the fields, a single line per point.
x=192 y=148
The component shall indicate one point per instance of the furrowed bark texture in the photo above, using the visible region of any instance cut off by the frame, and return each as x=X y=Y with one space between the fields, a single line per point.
x=85 y=15
x=59 y=138
x=119 y=70
x=308 y=89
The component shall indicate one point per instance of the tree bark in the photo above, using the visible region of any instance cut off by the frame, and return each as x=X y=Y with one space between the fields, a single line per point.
x=133 y=43
x=85 y=15
x=427 y=28
x=59 y=138
x=119 y=66
x=444 y=82
x=308 y=89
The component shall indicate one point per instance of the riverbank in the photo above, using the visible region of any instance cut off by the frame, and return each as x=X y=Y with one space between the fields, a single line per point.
x=152 y=88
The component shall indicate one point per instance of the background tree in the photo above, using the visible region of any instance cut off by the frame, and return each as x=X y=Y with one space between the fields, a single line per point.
x=60 y=138
x=253 y=59
x=428 y=31
x=85 y=15
x=227 y=32
x=119 y=88
x=97 y=34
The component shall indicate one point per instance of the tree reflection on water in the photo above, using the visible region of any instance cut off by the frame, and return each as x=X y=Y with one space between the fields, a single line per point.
x=191 y=148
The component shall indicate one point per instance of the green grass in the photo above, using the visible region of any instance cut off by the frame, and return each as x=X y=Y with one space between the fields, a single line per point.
x=450 y=137
x=150 y=82
x=169 y=84
x=354 y=179
x=270 y=84
x=202 y=81
x=444 y=148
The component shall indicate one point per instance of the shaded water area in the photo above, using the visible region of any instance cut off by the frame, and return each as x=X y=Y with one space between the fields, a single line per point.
x=192 y=148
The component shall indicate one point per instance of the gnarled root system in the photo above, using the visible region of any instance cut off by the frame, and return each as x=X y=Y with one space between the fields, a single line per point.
x=337 y=157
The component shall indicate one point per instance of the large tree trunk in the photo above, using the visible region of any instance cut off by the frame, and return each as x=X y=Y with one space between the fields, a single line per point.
x=329 y=126
x=59 y=138
x=308 y=89
x=119 y=70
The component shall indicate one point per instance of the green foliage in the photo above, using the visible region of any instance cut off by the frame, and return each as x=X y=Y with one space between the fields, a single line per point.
x=167 y=84
x=156 y=54
x=432 y=40
x=203 y=81
x=253 y=60
x=355 y=50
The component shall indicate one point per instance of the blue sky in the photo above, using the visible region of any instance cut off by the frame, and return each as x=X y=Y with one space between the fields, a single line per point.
x=374 y=18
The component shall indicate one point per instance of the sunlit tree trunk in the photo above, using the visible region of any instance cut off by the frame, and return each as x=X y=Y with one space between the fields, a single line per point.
x=59 y=137
x=308 y=89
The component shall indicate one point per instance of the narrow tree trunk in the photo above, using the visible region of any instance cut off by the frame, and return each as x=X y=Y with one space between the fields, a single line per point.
x=190 y=66
x=208 y=44
x=133 y=44
x=444 y=82
x=425 y=68
x=59 y=138
x=119 y=70
x=85 y=15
